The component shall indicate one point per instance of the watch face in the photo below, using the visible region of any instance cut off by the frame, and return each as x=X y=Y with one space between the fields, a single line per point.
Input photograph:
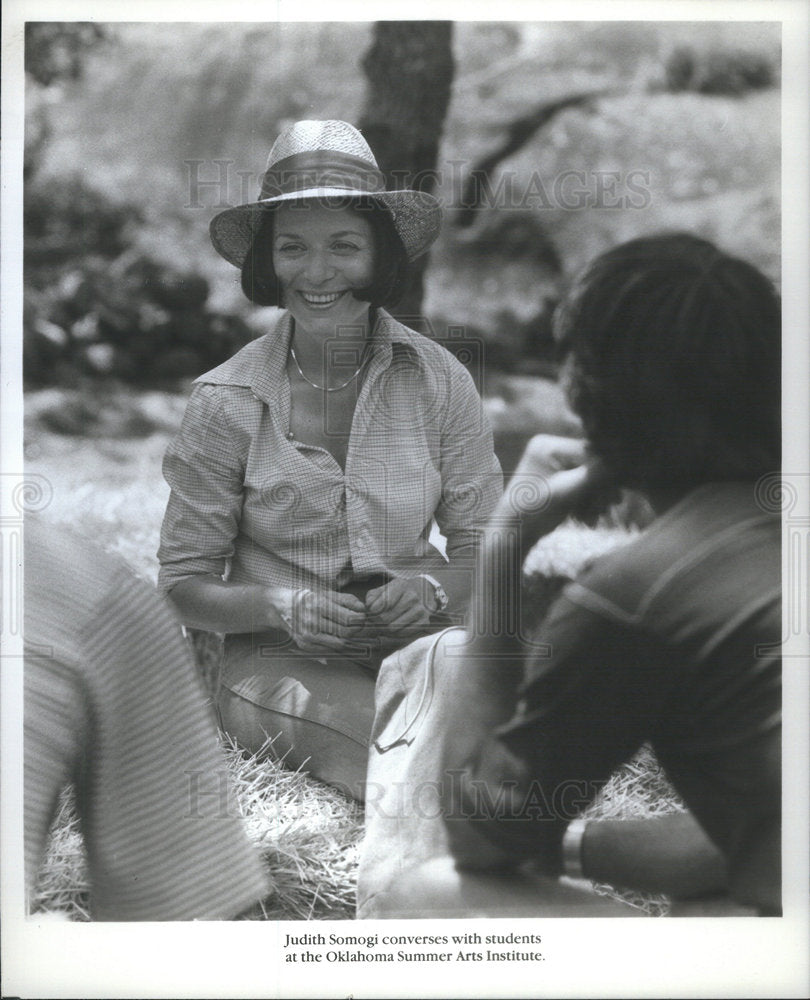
x=440 y=600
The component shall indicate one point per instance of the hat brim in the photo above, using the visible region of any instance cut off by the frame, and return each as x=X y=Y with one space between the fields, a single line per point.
x=417 y=218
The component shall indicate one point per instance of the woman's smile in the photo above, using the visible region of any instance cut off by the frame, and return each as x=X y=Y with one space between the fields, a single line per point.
x=321 y=300
x=321 y=254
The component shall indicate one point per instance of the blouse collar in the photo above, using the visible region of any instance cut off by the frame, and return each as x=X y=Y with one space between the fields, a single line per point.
x=261 y=365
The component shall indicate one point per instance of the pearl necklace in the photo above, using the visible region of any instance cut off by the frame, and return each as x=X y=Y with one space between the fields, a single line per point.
x=326 y=388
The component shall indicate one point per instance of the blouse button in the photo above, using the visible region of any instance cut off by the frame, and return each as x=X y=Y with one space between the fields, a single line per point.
x=289 y=435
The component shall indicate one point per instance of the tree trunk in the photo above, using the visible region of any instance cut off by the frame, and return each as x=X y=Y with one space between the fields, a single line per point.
x=409 y=67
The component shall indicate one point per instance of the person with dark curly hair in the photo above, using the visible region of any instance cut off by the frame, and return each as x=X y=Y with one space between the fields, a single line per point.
x=312 y=468
x=674 y=364
x=672 y=639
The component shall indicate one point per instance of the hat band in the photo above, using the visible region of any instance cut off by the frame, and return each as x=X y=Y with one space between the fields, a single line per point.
x=321 y=168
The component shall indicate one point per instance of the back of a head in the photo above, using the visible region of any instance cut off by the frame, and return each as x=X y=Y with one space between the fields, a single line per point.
x=675 y=363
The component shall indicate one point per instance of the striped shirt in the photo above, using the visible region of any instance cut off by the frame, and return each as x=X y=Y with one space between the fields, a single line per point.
x=250 y=503
x=113 y=704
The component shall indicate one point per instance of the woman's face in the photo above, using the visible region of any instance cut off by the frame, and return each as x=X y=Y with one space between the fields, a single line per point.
x=320 y=254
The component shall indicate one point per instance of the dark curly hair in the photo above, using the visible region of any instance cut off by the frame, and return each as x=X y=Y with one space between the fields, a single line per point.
x=674 y=363
x=392 y=270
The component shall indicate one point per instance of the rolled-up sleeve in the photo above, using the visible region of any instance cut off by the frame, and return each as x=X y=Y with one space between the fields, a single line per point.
x=205 y=472
x=472 y=481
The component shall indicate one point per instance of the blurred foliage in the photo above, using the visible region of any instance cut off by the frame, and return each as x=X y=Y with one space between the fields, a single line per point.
x=55 y=54
x=69 y=217
x=97 y=305
x=731 y=72
x=511 y=263
x=55 y=51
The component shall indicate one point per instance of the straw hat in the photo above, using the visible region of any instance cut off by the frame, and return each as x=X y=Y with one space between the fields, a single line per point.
x=325 y=159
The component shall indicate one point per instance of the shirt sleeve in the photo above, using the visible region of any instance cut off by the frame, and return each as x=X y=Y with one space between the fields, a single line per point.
x=205 y=472
x=56 y=729
x=472 y=481
x=592 y=694
x=165 y=839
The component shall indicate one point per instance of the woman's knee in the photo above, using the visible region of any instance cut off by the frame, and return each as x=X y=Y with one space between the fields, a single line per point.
x=301 y=735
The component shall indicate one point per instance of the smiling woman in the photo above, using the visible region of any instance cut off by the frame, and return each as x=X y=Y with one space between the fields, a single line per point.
x=310 y=468
x=321 y=257
x=367 y=226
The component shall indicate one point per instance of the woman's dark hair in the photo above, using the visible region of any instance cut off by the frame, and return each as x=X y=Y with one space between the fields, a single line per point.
x=391 y=274
x=674 y=363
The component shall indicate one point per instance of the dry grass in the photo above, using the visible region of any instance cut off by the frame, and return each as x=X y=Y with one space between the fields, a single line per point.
x=306 y=833
x=63 y=886
x=308 y=837
x=637 y=790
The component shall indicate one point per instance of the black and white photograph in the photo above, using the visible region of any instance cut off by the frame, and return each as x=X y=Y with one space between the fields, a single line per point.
x=405 y=500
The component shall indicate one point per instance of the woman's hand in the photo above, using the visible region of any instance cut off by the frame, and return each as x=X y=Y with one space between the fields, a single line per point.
x=399 y=607
x=321 y=620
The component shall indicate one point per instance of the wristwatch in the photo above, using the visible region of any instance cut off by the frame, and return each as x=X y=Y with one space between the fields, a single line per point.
x=572 y=848
x=440 y=597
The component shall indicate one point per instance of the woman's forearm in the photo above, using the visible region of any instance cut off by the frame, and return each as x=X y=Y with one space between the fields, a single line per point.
x=207 y=602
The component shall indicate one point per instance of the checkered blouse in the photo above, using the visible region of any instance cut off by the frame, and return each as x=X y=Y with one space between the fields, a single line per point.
x=250 y=503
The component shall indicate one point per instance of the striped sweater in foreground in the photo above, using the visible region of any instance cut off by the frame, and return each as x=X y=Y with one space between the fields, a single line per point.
x=113 y=704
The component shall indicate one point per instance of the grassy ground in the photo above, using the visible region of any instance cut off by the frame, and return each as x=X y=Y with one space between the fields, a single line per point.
x=109 y=487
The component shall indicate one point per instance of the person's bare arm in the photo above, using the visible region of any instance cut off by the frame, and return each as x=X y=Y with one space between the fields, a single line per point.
x=208 y=602
x=316 y=620
x=551 y=481
x=663 y=854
